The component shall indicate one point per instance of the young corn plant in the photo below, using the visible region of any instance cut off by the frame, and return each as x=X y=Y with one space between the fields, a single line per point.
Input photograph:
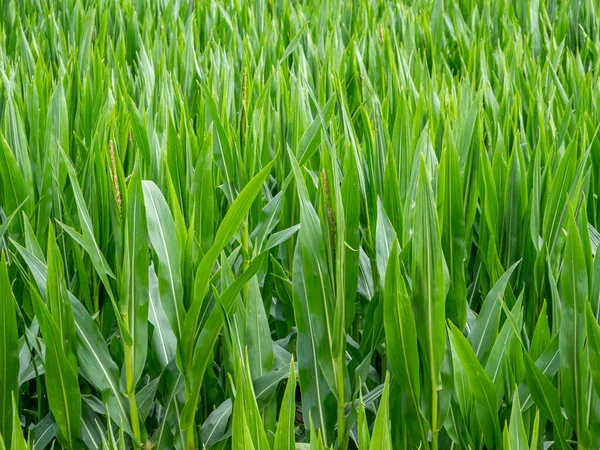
x=275 y=225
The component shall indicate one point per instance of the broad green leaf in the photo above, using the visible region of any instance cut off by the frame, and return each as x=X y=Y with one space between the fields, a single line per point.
x=314 y=314
x=382 y=438
x=285 y=436
x=401 y=338
x=541 y=334
x=229 y=225
x=88 y=241
x=292 y=45
x=9 y=353
x=251 y=411
x=428 y=279
x=209 y=335
x=134 y=289
x=572 y=331
x=15 y=191
x=452 y=222
x=215 y=426
x=351 y=198
x=593 y=345
x=93 y=357
x=516 y=429
x=384 y=240
x=485 y=331
x=64 y=395
x=364 y=436
x=499 y=355
x=17 y=440
x=258 y=334
x=139 y=130
x=548 y=363
x=162 y=234
x=203 y=190
x=164 y=342
x=545 y=396
x=482 y=388
x=241 y=438
x=57 y=299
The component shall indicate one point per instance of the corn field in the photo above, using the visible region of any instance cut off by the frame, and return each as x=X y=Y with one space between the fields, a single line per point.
x=299 y=224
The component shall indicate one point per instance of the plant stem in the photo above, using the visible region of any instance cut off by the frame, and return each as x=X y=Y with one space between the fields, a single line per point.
x=434 y=419
x=342 y=438
x=191 y=438
x=133 y=411
x=190 y=443
x=245 y=256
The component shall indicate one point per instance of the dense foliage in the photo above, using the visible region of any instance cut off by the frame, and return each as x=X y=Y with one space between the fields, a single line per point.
x=272 y=224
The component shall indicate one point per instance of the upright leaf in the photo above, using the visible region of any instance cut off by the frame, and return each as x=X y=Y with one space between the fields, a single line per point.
x=545 y=396
x=452 y=222
x=285 y=436
x=64 y=395
x=382 y=438
x=134 y=279
x=9 y=353
x=516 y=430
x=161 y=231
x=482 y=388
x=428 y=289
x=314 y=313
x=574 y=283
x=401 y=338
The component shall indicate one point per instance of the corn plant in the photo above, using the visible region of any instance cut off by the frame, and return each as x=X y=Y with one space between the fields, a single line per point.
x=275 y=225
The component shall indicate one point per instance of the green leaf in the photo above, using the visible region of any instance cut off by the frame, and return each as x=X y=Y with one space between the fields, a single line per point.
x=164 y=342
x=232 y=221
x=401 y=338
x=482 y=388
x=241 y=438
x=516 y=430
x=452 y=222
x=64 y=395
x=15 y=191
x=485 y=331
x=364 y=437
x=88 y=241
x=251 y=411
x=17 y=440
x=292 y=45
x=313 y=309
x=203 y=189
x=140 y=128
x=9 y=353
x=593 y=346
x=428 y=279
x=161 y=231
x=546 y=397
x=258 y=333
x=134 y=278
x=382 y=439
x=574 y=284
x=284 y=436
x=209 y=335
x=385 y=238
x=57 y=299
x=499 y=359
x=95 y=362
